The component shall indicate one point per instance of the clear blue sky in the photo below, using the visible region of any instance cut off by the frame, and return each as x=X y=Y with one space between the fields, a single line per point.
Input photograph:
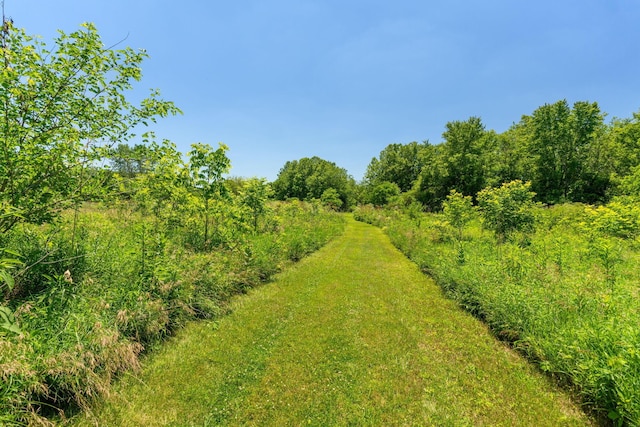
x=279 y=80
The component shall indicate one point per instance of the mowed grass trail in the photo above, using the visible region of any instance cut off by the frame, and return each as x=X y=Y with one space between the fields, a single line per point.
x=353 y=335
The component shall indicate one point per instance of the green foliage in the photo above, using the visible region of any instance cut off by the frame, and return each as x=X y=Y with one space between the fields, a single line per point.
x=207 y=167
x=327 y=345
x=130 y=161
x=88 y=318
x=630 y=184
x=458 y=211
x=507 y=209
x=616 y=219
x=96 y=287
x=463 y=159
x=331 y=199
x=254 y=196
x=459 y=163
x=567 y=153
x=625 y=144
x=8 y=321
x=57 y=105
x=6 y=265
x=308 y=178
x=163 y=190
x=431 y=188
x=561 y=140
x=384 y=193
x=399 y=164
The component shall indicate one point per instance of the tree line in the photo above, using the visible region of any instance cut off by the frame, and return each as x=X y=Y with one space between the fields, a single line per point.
x=567 y=153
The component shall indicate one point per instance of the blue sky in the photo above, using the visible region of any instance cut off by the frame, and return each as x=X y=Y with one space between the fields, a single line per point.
x=279 y=80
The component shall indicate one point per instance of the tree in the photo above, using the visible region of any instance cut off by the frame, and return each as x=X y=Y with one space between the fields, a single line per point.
x=504 y=158
x=308 y=178
x=165 y=189
x=561 y=141
x=129 y=161
x=625 y=136
x=254 y=196
x=397 y=163
x=463 y=155
x=383 y=193
x=456 y=164
x=207 y=167
x=331 y=199
x=507 y=209
x=458 y=211
x=59 y=107
x=432 y=187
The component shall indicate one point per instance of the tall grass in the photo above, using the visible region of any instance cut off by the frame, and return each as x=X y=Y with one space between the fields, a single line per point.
x=100 y=288
x=564 y=295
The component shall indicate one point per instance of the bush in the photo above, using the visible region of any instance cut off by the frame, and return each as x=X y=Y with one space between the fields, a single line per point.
x=458 y=211
x=507 y=209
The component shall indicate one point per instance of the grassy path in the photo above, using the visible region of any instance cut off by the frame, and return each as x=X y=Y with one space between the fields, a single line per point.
x=353 y=335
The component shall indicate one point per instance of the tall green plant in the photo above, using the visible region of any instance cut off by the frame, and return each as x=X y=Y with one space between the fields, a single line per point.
x=458 y=211
x=164 y=189
x=7 y=319
x=207 y=167
x=507 y=209
x=58 y=105
x=253 y=197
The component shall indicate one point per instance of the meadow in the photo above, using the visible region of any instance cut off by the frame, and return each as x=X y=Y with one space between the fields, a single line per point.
x=564 y=293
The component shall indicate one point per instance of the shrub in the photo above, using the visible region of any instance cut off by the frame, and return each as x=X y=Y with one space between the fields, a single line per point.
x=507 y=209
x=458 y=211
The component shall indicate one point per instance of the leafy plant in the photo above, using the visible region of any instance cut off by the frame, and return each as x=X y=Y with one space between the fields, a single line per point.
x=7 y=319
x=254 y=196
x=331 y=199
x=507 y=209
x=57 y=105
x=207 y=167
x=458 y=211
x=383 y=193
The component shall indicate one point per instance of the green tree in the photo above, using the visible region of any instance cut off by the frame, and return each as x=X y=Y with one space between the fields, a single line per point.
x=625 y=144
x=331 y=199
x=397 y=163
x=507 y=209
x=130 y=161
x=561 y=141
x=207 y=167
x=431 y=187
x=165 y=189
x=630 y=184
x=383 y=193
x=456 y=164
x=463 y=155
x=308 y=178
x=59 y=106
x=254 y=196
x=458 y=211
x=504 y=157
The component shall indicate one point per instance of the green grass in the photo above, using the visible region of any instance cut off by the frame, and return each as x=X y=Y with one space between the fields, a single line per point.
x=353 y=335
x=565 y=294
